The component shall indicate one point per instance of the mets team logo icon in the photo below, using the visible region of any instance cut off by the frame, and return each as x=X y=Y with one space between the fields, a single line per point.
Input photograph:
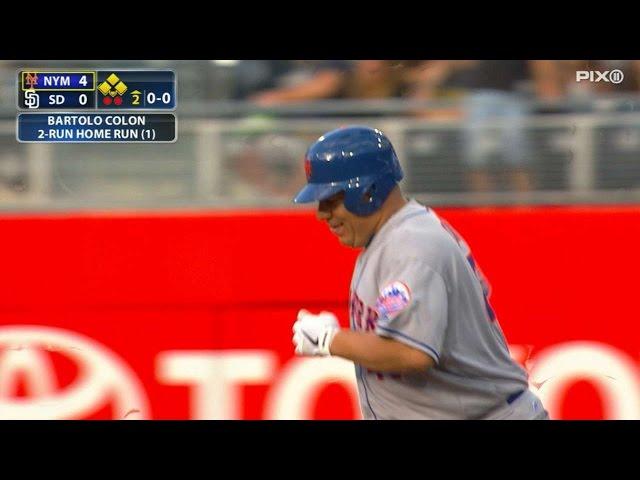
x=307 y=167
x=394 y=298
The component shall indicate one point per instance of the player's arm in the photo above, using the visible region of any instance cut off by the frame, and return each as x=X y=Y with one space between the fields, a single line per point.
x=321 y=335
x=378 y=353
x=409 y=330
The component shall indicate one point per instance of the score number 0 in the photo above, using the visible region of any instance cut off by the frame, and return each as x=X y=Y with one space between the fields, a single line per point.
x=151 y=98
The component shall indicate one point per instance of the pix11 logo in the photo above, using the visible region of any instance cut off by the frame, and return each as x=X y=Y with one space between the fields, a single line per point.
x=609 y=76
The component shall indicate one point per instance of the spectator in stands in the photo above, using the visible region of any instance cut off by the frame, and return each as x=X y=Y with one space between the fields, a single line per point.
x=372 y=79
x=304 y=80
x=555 y=80
x=308 y=81
x=493 y=111
x=266 y=166
x=252 y=76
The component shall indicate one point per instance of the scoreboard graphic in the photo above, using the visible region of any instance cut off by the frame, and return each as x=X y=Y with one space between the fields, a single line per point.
x=96 y=106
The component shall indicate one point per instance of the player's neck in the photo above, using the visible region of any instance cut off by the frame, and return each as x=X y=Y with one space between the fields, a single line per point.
x=393 y=204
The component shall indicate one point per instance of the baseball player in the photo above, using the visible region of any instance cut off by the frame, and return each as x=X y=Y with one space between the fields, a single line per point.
x=424 y=339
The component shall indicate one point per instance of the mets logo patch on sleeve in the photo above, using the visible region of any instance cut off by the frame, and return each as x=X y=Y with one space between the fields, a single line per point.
x=393 y=299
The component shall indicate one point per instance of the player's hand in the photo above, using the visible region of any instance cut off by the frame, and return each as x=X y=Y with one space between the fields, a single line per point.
x=312 y=334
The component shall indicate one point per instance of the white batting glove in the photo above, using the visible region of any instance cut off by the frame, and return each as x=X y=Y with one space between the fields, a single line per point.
x=312 y=334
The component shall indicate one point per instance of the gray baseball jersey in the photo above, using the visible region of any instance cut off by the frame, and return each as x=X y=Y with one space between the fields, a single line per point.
x=417 y=283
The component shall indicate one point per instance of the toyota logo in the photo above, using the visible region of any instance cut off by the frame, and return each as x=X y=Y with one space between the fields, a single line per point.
x=103 y=378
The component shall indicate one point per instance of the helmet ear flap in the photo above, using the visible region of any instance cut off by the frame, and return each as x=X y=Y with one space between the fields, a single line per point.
x=369 y=194
x=369 y=198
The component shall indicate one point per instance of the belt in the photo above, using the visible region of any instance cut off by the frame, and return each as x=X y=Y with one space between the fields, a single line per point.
x=514 y=396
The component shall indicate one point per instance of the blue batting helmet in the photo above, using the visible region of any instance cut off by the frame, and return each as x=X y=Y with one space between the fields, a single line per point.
x=357 y=160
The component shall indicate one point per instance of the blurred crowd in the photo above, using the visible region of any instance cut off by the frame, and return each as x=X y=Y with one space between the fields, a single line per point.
x=489 y=99
x=269 y=82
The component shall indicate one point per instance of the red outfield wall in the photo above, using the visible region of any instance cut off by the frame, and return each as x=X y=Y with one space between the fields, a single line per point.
x=189 y=315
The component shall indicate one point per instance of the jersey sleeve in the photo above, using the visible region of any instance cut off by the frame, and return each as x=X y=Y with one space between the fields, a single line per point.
x=412 y=306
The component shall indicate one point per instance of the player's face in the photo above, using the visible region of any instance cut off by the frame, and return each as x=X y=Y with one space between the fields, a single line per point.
x=352 y=230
